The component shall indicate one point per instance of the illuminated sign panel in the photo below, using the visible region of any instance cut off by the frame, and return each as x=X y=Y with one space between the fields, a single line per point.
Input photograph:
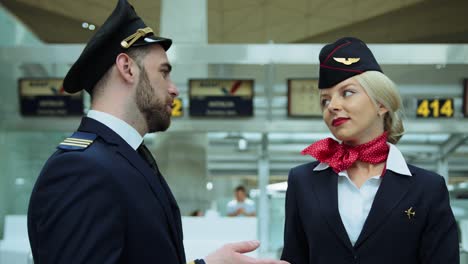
x=46 y=97
x=221 y=98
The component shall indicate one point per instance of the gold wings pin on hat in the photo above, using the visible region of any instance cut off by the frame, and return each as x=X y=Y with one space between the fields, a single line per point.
x=347 y=61
x=141 y=32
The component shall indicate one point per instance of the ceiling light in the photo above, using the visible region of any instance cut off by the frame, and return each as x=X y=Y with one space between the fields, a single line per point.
x=19 y=181
x=92 y=27
x=85 y=25
x=242 y=144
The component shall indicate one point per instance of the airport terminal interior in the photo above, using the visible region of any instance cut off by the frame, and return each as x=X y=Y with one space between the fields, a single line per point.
x=264 y=55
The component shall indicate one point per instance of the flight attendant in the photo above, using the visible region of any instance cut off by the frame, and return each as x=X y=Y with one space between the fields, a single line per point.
x=361 y=202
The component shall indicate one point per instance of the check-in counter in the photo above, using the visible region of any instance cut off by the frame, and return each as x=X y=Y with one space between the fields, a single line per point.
x=203 y=235
x=14 y=248
x=463 y=256
x=460 y=210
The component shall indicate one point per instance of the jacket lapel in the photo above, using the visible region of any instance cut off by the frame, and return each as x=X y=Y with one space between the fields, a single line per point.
x=159 y=191
x=391 y=191
x=326 y=190
x=165 y=200
x=176 y=215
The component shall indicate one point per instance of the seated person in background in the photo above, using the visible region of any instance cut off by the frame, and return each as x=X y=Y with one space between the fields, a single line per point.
x=241 y=206
x=197 y=212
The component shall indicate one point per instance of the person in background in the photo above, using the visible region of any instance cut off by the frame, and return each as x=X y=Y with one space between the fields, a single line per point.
x=241 y=205
x=100 y=198
x=360 y=202
x=197 y=212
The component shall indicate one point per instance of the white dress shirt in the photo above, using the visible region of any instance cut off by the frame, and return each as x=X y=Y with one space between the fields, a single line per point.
x=354 y=203
x=248 y=206
x=122 y=128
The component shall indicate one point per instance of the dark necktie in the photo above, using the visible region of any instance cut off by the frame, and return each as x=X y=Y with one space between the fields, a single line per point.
x=148 y=157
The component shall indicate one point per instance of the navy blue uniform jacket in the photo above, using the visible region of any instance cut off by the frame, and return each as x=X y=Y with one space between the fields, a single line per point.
x=103 y=204
x=315 y=234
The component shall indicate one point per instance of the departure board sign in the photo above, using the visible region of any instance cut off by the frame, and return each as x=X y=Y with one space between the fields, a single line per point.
x=465 y=98
x=303 y=98
x=46 y=97
x=435 y=108
x=221 y=98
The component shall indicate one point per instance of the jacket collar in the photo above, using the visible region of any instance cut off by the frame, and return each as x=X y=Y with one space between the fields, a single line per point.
x=391 y=191
x=164 y=197
x=393 y=188
x=120 y=127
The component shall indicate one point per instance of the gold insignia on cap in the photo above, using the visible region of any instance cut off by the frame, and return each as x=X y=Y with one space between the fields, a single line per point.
x=141 y=32
x=410 y=212
x=347 y=61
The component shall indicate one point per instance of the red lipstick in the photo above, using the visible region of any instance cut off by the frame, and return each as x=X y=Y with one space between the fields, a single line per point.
x=339 y=121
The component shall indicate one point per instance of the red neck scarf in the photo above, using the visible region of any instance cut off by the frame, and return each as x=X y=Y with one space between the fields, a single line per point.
x=341 y=156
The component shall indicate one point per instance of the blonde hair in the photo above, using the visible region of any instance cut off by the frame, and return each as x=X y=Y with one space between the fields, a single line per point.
x=383 y=91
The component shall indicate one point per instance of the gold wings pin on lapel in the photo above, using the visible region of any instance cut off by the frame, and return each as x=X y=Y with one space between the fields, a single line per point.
x=347 y=61
x=410 y=213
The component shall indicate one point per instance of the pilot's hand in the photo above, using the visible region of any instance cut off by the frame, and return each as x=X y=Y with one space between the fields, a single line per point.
x=233 y=254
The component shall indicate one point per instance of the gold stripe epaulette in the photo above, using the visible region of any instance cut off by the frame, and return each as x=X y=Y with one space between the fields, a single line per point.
x=78 y=141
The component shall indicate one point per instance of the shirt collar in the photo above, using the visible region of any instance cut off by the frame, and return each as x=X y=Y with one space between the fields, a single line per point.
x=395 y=162
x=122 y=128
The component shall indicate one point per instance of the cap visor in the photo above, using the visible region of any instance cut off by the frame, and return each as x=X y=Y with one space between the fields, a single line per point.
x=164 y=42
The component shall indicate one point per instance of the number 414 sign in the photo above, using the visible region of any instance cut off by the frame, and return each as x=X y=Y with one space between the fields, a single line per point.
x=435 y=108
